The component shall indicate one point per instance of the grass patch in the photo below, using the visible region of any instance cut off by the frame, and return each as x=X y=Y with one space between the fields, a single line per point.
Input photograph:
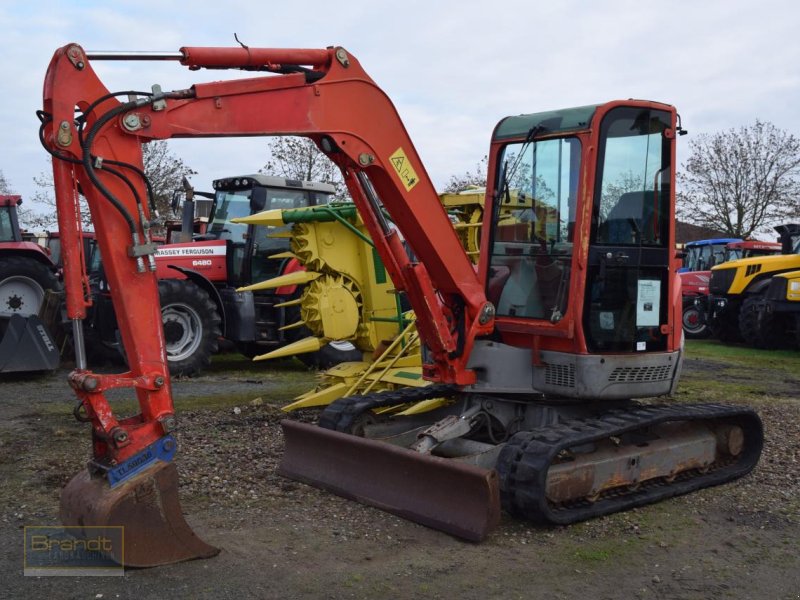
x=715 y=388
x=608 y=549
x=714 y=350
x=592 y=554
x=736 y=373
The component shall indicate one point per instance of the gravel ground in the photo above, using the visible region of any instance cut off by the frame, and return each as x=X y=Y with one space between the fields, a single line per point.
x=281 y=539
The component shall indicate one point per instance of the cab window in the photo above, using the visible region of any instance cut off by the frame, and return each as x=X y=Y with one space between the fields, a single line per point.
x=533 y=228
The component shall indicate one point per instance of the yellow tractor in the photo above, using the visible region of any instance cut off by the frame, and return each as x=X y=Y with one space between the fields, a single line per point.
x=749 y=302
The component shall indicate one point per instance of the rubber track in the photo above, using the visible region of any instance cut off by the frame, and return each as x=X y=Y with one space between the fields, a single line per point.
x=343 y=413
x=524 y=461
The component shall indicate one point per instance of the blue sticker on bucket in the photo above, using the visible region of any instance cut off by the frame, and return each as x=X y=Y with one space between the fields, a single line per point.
x=163 y=450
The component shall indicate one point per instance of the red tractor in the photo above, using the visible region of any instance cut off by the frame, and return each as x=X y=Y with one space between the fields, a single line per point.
x=26 y=274
x=199 y=277
x=694 y=282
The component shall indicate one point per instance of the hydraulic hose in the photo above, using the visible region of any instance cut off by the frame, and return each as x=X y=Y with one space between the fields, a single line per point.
x=87 y=158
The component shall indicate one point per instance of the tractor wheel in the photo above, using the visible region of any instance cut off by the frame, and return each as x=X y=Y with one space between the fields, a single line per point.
x=694 y=321
x=797 y=331
x=773 y=331
x=748 y=320
x=192 y=326
x=23 y=283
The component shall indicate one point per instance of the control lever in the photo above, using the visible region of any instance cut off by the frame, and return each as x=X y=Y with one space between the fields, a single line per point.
x=618 y=257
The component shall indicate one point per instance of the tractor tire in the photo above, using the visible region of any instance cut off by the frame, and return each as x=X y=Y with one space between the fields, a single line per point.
x=797 y=331
x=695 y=325
x=748 y=320
x=773 y=331
x=23 y=283
x=192 y=326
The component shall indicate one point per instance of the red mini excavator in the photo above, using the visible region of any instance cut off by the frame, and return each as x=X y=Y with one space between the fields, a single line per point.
x=573 y=311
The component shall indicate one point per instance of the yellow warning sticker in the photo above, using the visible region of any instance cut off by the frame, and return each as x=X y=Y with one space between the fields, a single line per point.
x=401 y=164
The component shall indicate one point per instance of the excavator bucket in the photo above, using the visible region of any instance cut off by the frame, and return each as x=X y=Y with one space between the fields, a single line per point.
x=27 y=346
x=454 y=497
x=146 y=506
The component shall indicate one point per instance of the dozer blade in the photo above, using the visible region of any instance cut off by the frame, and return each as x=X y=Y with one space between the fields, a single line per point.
x=27 y=346
x=454 y=497
x=146 y=506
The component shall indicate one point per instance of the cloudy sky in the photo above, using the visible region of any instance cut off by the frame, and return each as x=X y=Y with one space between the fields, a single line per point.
x=452 y=68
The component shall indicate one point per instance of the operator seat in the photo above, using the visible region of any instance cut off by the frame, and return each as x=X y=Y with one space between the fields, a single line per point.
x=631 y=219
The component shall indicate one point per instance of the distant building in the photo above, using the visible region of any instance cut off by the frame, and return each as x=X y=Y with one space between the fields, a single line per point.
x=685 y=232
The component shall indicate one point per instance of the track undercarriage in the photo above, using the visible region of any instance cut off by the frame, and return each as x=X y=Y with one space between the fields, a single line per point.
x=540 y=460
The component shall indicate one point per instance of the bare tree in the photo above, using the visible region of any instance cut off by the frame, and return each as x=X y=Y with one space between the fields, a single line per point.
x=299 y=158
x=741 y=181
x=476 y=178
x=164 y=170
x=5 y=188
x=28 y=218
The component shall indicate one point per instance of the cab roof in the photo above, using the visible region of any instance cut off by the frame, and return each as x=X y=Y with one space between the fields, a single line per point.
x=553 y=121
x=274 y=182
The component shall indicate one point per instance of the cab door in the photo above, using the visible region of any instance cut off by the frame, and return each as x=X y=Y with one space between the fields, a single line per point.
x=627 y=286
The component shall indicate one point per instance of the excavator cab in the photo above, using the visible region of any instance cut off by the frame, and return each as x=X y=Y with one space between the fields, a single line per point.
x=584 y=240
x=627 y=295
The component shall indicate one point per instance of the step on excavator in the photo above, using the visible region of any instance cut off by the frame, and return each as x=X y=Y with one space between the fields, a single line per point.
x=571 y=314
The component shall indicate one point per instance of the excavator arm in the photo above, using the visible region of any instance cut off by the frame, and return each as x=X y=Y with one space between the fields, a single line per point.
x=96 y=136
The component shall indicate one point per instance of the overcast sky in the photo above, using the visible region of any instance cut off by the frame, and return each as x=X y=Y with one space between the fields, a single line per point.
x=452 y=68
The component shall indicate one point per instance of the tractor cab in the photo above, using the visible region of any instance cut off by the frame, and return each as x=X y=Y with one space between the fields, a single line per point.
x=701 y=255
x=750 y=249
x=9 y=225
x=249 y=246
x=789 y=238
